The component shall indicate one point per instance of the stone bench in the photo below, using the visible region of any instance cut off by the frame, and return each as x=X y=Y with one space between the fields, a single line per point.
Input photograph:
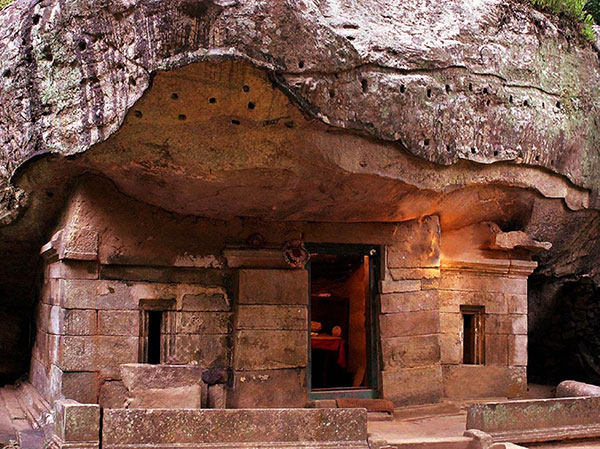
x=530 y=421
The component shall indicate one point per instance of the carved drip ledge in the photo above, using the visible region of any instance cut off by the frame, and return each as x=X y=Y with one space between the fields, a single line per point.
x=502 y=267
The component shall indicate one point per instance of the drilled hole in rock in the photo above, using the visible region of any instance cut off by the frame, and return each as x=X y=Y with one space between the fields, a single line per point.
x=426 y=142
x=82 y=45
x=471 y=87
x=246 y=88
x=175 y=96
x=402 y=88
x=290 y=124
x=251 y=105
x=558 y=104
x=543 y=105
x=350 y=38
x=448 y=88
x=49 y=193
x=300 y=64
x=350 y=26
x=428 y=93
x=537 y=158
x=6 y=73
x=485 y=90
x=496 y=153
x=473 y=150
x=235 y=122
x=525 y=103
x=138 y=113
x=182 y=117
x=132 y=81
x=364 y=86
x=212 y=100
x=120 y=66
x=510 y=99
x=448 y=148
x=487 y=103
x=35 y=19
x=331 y=93
x=552 y=162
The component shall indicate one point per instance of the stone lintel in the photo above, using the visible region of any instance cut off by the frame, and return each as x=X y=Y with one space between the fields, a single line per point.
x=254 y=258
x=478 y=264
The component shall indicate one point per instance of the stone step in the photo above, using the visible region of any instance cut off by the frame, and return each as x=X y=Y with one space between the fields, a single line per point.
x=16 y=414
x=32 y=403
x=31 y=439
x=425 y=443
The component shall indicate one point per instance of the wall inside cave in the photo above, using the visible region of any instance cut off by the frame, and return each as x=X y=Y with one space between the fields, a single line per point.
x=564 y=330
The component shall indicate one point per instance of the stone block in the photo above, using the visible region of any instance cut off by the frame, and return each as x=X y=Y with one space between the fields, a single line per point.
x=164 y=274
x=89 y=294
x=75 y=422
x=571 y=389
x=270 y=349
x=272 y=317
x=409 y=323
x=217 y=396
x=71 y=269
x=517 y=304
x=203 y=322
x=413 y=385
x=479 y=381
x=186 y=397
x=273 y=287
x=420 y=247
x=451 y=323
x=451 y=348
x=285 y=428
x=214 y=376
x=79 y=386
x=409 y=302
x=506 y=324
x=207 y=351
x=72 y=321
x=113 y=394
x=496 y=349
x=269 y=388
x=119 y=322
x=142 y=376
x=97 y=353
x=206 y=302
x=451 y=280
x=390 y=286
x=79 y=244
x=410 y=352
x=451 y=300
x=399 y=274
x=517 y=350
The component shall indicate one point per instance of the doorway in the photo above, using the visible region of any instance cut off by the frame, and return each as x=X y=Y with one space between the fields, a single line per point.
x=343 y=341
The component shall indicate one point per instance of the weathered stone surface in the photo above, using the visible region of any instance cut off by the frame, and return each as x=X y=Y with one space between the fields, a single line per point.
x=204 y=302
x=273 y=287
x=207 y=351
x=413 y=385
x=119 y=322
x=270 y=349
x=409 y=301
x=71 y=321
x=79 y=386
x=571 y=388
x=269 y=388
x=272 y=317
x=140 y=376
x=278 y=426
x=217 y=396
x=410 y=352
x=477 y=381
x=185 y=397
x=391 y=286
x=75 y=422
x=97 y=353
x=113 y=394
x=203 y=322
x=214 y=376
x=409 y=323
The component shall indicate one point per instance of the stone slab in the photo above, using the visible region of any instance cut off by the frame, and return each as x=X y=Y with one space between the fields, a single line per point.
x=204 y=276
x=273 y=287
x=270 y=349
x=413 y=385
x=478 y=381
x=142 y=376
x=97 y=353
x=205 y=302
x=409 y=301
x=119 y=322
x=271 y=317
x=75 y=422
x=269 y=388
x=207 y=351
x=537 y=420
x=409 y=323
x=410 y=352
x=223 y=428
x=203 y=322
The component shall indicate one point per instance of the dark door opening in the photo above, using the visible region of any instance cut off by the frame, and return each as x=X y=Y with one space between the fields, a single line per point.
x=342 y=314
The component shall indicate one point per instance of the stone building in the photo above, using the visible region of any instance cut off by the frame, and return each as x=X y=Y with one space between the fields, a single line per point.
x=215 y=210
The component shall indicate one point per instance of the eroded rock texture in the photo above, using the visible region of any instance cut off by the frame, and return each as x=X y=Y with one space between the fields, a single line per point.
x=322 y=110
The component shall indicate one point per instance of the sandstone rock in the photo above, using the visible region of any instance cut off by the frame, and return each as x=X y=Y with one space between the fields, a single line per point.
x=571 y=388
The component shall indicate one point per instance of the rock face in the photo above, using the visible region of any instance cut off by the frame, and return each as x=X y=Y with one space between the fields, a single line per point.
x=309 y=110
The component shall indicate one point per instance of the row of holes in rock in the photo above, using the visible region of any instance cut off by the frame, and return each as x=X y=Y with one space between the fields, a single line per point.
x=474 y=151
x=211 y=100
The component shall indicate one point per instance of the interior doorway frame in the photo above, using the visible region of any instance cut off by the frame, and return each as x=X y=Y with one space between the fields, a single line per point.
x=373 y=371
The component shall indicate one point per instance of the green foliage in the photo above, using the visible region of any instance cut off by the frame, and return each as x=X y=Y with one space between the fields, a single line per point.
x=5 y=3
x=577 y=10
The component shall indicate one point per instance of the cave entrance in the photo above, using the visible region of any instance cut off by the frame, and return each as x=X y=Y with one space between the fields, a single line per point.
x=342 y=354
